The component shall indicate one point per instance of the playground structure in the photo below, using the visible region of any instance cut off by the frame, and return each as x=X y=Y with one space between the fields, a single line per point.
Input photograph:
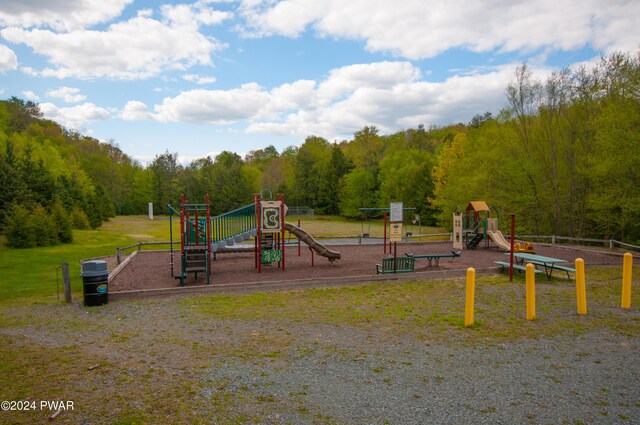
x=477 y=225
x=202 y=237
x=195 y=238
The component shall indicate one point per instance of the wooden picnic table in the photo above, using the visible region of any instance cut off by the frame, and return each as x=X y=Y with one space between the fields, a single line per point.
x=434 y=257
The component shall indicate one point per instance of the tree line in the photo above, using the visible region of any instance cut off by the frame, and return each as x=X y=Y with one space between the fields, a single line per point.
x=562 y=155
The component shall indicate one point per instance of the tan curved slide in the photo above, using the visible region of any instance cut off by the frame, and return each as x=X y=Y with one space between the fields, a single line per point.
x=311 y=242
x=498 y=238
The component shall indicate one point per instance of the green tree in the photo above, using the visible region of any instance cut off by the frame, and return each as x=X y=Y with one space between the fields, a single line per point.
x=365 y=150
x=311 y=160
x=229 y=186
x=406 y=176
x=166 y=170
x=358 y=192
x=331 y=180
x=62 y=223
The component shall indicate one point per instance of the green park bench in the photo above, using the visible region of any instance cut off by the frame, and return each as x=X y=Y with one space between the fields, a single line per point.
x=396 y=265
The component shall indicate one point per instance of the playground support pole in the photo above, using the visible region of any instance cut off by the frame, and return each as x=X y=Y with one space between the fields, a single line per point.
x=531 y=291
x=181 y=224
x=395 y=256
x=384 y=240
x=256 y=200
x=207 y=232
x=281 y=199
x=627 y=267
x=470 y=297
x=196 y=225
x=298 y=239
x=170 y=240
x=581 y=291
x=513 y=239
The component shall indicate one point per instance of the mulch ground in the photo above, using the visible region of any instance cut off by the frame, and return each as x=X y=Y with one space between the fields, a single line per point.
x=149 y=270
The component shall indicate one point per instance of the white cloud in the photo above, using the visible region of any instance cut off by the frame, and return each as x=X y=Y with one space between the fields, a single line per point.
x=417 y=29
x=75 y=117
x=373 y=75
x=29 y=95
x=136 y=111
x=138 y=48
x=192 y=15
x=213 y=106
x=199 y=79
x=59 y=14
x=389 y=95
x=8 y=59
x=68 y=94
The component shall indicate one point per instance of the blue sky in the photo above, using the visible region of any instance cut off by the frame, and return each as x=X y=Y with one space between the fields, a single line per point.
x=201 y=77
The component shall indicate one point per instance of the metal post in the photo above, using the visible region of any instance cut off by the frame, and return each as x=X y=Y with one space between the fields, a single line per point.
x=581 y=292
x=627 y=272
x=470 y=297
x=395 y=256
x=530 y=292
x=513 y=238
x=66 y=278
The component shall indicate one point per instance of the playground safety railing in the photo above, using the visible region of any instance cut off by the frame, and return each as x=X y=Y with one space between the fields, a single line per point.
x=235 y=224
x=610 y=243
x=138 y=246
x=300 y=211
x=553 y=239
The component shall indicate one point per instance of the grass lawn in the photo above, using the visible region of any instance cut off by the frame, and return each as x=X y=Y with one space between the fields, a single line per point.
x=32 y=273
x=327 y=226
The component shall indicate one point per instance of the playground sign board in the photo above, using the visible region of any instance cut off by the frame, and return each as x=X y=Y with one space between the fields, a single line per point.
x=271 y=220
x=271 y=255
x=396 y=232
x=395 y=215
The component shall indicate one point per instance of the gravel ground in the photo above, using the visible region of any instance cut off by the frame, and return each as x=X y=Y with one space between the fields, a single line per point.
x=592 y=379
x=168 y=356
x=331 y=374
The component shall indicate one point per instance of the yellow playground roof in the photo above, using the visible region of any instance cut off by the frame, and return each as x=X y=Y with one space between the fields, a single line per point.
x=477 y=206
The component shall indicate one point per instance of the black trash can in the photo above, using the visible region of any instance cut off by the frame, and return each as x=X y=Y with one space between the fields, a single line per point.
x=95 y=282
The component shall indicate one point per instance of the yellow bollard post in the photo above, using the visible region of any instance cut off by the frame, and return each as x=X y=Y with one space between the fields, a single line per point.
x=531 y=292
x=470 y=298
x=627 y=268
x=581 y=290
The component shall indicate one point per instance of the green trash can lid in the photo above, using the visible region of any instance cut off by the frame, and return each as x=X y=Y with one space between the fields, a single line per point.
x=94 y=268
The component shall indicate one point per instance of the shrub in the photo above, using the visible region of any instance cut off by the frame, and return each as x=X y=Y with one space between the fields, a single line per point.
x=62 y=223
x=43 y=227
x=18 y=229
x=79 y=219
